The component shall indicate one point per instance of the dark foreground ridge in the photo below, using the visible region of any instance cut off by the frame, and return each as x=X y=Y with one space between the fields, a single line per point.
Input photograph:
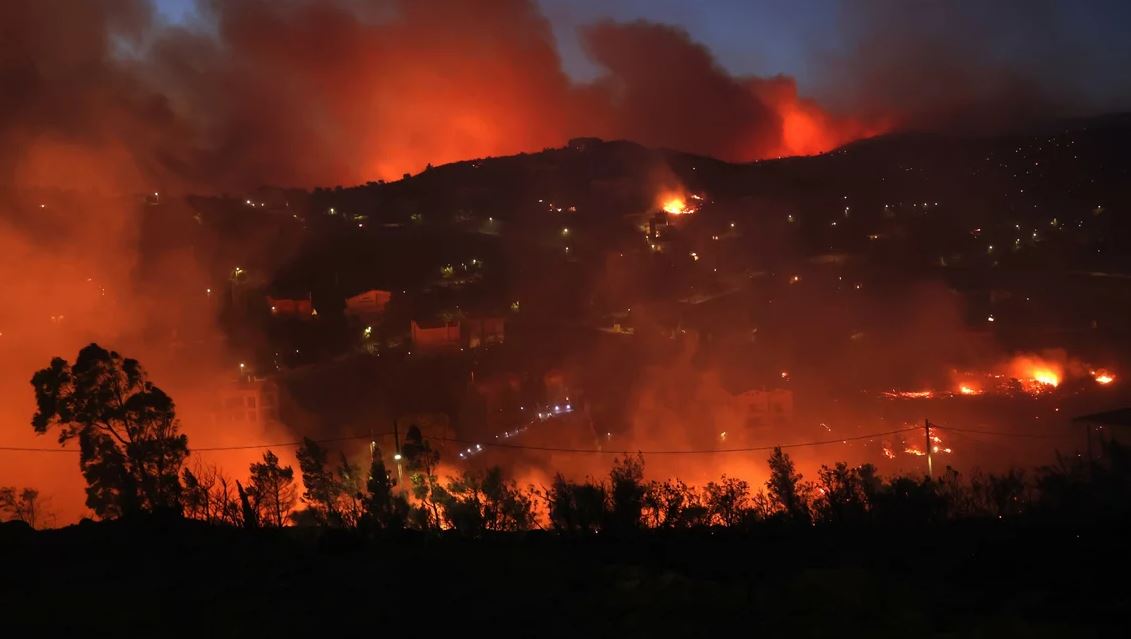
x=154 y=577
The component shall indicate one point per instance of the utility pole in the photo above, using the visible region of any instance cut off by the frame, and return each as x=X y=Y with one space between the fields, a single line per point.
x=397 y=450
x=930 y=464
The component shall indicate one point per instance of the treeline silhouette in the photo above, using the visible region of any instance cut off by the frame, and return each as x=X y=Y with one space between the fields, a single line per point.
x=133 y=459
x=481 y=502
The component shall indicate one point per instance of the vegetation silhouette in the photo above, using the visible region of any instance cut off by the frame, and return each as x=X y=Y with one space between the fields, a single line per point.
x=127 y=428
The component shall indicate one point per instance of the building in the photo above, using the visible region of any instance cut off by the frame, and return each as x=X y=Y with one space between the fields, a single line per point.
x=250 y=400
x=298 y=308
x=762 y=407
x=368 y=305
x=482 y=331
x=428 y=338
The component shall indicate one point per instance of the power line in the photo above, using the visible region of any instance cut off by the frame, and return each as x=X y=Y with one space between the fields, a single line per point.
x=26 y=449
x=514 y=446
x=997 y=433
x=23 y=449
x=593 y=451
x=702 y=451
x=288 y=444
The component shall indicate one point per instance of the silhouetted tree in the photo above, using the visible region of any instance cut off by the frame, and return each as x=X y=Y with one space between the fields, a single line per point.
x=351 y=486
x=195 y=498
x=486 y=501
x=576 y=507
x=421 y=460
x=319 y=483
x=250 y=516
x=728 y=502
x=999 y=495
x=909 y=501
x=209 y=495
x=131 y=452
x=626 y=481
x=21 y=505
x=673 y=504
x=842 y=494
x=384 y=509
x=272 y=490
x=787 y=493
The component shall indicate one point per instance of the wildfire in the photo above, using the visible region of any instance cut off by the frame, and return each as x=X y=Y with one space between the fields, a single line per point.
x=1103 y=377
x=937 y=447
x=966 y=389
x=1036 y=374
x=922 y=394
x=676 y=204
x=1046 y=376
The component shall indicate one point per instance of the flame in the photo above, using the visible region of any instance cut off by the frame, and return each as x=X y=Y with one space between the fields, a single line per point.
x=806 y=128
x=937 y=447
x=676 y=204
x=966 y=389
x=1036 y=374
x=922 y=394
x=1103 y=377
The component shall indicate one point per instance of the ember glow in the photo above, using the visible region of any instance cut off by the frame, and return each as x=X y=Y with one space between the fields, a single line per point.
x=676 y=204
x=1103 y=377
x=1035 y=373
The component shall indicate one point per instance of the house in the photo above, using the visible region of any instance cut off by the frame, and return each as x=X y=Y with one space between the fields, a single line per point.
x=250 y=400
x=427 y=338
x=482 y=331
x=762 y=407
x=368 y=304
x=294 y=307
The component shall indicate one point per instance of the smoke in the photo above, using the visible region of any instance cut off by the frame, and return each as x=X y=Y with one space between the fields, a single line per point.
x=971 y=65
x=102 y=94
x=102 y=99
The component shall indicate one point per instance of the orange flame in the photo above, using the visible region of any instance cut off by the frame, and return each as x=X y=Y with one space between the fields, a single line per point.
x=1036 y=374
x=1103 y=377
x=676 y=204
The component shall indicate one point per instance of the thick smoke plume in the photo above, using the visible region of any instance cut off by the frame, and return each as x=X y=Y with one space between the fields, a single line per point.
x=307 y=93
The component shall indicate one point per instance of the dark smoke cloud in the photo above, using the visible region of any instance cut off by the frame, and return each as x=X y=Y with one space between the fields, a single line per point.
x=297 y=92
x=301 y=93
x=967 y=64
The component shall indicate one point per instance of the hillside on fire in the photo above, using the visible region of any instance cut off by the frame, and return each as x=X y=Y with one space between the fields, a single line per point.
x=604 y=296
x=565 y=317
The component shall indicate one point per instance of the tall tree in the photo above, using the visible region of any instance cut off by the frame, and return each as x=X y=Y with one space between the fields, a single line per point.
x=421 y=461
x=272 y=490
x=127 y=429
x=785 y=487
x=320 y=488
x=627 y=493
x=384 y=509
x=728 y=501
